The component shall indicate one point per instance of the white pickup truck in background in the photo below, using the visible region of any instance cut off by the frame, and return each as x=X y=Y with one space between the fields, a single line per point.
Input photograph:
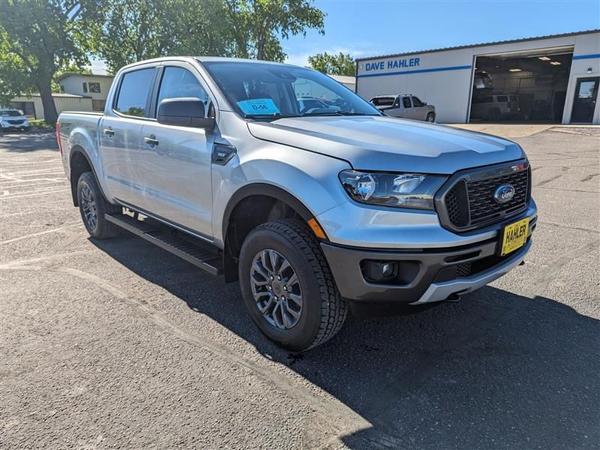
x=405 y=106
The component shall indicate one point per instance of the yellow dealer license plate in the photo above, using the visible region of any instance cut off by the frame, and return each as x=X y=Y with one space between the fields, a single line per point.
x=514 y=236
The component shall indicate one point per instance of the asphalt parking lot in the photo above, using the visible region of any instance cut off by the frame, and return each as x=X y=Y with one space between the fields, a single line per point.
x=119 y=344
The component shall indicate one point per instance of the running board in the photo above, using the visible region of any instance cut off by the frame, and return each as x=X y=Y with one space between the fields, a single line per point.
x=200 y=254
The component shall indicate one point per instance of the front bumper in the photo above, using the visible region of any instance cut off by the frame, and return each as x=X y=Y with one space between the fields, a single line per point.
x=428 y=275
x=5 y=127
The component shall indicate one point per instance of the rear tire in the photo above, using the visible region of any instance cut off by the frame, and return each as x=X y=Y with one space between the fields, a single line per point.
x=93 y=206
x=288 y=287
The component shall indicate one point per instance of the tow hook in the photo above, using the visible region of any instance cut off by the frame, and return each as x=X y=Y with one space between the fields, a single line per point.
x=453 y=298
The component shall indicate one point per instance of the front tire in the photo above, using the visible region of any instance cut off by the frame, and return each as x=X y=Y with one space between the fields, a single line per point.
x=93 y=206
x=430 y=117
x=287 y=286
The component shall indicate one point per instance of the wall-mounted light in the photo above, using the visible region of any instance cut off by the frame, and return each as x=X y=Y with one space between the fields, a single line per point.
x=544 y=58
x=589 y=70
x=515 y=70
x=555 y=63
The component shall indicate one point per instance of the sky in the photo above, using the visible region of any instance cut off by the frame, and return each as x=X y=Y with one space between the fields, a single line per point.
x=378 y=27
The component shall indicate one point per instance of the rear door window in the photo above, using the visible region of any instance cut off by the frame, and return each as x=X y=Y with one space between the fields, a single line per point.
x=134 y=91
x=406 y=102
x=383 y=101
x=486 y=99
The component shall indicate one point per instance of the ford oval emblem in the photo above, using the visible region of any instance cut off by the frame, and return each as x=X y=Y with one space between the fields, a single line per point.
x=504 y=193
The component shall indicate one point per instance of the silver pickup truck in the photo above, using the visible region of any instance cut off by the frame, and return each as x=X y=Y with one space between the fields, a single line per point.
x=312 y=208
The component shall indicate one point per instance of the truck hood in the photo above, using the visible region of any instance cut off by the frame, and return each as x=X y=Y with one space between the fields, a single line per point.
x=389 y=144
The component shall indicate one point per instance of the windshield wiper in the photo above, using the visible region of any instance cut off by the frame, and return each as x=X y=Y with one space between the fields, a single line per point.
x=267 y=116
x=337 y=113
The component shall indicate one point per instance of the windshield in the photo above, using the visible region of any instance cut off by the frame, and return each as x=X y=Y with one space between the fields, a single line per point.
x=10 y=113
x=271 y=91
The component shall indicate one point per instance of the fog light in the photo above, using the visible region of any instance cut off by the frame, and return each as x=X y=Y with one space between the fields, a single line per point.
x=387 y=269
x=379 y=271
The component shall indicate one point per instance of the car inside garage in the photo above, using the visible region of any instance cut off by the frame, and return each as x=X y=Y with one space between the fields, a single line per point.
x=525 y=87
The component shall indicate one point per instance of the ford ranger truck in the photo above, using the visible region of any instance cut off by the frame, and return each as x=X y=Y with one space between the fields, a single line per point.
x=313 y=207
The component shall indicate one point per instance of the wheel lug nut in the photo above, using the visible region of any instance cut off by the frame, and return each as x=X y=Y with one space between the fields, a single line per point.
x=285 y=288
x=278 y=278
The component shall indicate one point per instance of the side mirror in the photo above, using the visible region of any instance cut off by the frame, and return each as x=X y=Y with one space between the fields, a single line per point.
x=184 y=112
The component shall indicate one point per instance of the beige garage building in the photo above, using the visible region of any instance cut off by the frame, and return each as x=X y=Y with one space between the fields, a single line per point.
x=548 y=79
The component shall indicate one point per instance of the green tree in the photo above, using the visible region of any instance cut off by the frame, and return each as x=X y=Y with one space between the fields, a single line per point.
x=37 y=38
x=12 y=79
x=257 y=26
x=340 y=64
x=134 y=30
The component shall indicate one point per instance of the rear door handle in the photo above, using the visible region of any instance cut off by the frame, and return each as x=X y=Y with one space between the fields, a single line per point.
x=108 y=132
x=151 y=140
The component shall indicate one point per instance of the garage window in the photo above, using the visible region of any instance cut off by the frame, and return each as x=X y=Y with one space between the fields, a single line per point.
x=94 y=88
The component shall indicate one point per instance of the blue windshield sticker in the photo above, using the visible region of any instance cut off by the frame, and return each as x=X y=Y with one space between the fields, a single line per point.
x=258 y=106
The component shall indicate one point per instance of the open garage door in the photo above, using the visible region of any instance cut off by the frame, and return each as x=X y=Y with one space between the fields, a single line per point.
x=527 y=87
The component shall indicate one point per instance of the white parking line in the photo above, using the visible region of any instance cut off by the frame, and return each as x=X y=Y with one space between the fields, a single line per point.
x=11 y=196
x=40 y=233
x=27 y=183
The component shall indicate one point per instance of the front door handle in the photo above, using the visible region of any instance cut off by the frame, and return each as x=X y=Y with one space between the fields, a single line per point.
x=109 y=132
x=151 y=140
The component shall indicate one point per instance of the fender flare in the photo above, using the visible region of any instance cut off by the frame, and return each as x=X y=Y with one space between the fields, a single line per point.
x=264 y=189
x=74 y=150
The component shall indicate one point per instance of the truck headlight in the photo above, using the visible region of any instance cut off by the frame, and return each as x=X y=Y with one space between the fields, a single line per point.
x=399 y=190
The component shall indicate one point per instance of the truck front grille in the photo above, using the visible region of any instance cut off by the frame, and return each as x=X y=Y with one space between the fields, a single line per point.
x=468 y=200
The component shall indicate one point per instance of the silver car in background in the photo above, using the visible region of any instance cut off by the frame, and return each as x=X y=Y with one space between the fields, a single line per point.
x=406 y=106
x=13 y=119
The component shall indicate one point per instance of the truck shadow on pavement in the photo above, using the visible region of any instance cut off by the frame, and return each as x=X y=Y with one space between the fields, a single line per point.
x=27 y=142
x=497 y=370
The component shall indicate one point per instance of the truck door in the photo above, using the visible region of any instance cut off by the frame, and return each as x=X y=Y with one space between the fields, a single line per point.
x=396 y=109
x=408 y=112
x=178 y=159
x=120 y=135
x=419 y=108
